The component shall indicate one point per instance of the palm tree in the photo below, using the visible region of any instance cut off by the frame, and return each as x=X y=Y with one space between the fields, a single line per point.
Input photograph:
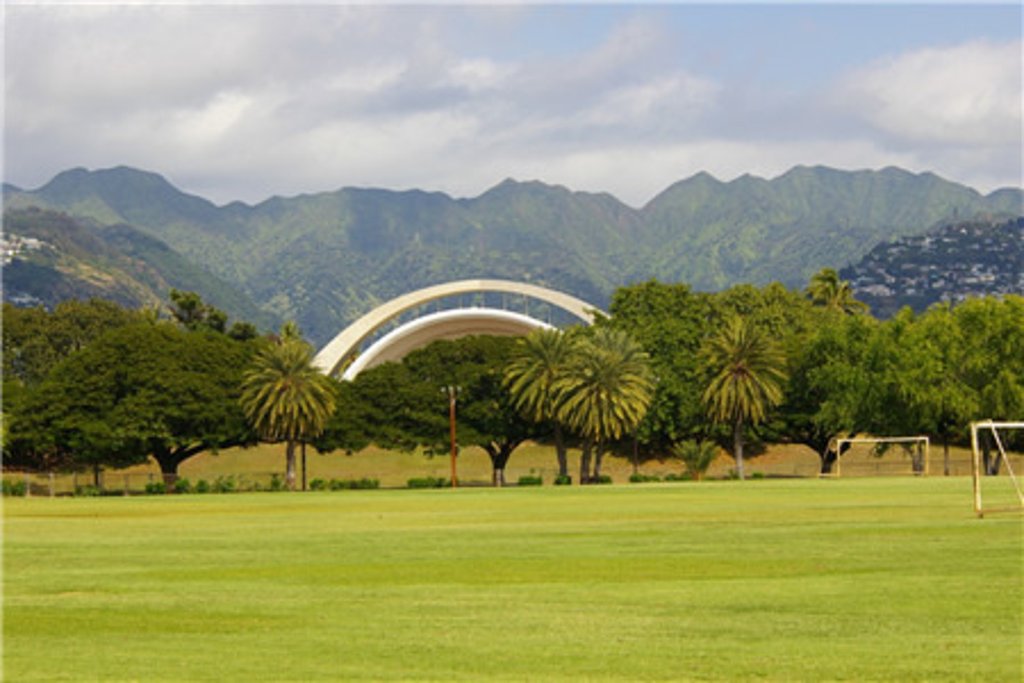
x=747 y=377
x=604 y=393
x=285 y=398
x=541 y=357
x=827 y=290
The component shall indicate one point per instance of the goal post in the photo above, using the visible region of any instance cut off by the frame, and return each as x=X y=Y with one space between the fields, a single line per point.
x=922 y=443
x=991 y=427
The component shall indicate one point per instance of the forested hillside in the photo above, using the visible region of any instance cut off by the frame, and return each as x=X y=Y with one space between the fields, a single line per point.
x=51 y=257
x=325 y=258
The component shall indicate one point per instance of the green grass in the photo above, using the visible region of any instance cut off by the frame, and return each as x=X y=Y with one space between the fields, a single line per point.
x=866 y=579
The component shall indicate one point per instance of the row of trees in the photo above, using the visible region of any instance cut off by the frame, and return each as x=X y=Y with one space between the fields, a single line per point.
x=668 y=371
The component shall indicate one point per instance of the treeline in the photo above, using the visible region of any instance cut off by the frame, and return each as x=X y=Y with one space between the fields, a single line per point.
x=669 y=371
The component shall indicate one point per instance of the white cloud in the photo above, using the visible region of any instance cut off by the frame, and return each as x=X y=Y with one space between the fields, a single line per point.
x=967 y=94
x=240 y=102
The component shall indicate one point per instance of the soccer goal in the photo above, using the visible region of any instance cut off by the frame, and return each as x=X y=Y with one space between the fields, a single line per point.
x=1006 y=497
x=917 y=446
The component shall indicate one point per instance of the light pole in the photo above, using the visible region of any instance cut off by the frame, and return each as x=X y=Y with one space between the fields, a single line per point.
x=453 y=392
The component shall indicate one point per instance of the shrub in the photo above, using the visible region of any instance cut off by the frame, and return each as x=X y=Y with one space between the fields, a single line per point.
x=155 y=488
x=202 y=486
x=563 y=480
x=276 y=483
x=601 y=479
x=14 y=488
x=640 y=478
x=88 y=491
x=685 y=476
x=318 y=485
x=427 y=483
x=182 y=486
x=531 y=480
x=224 y=484
x=354 y=484
x=697 y=456
x=757 y=475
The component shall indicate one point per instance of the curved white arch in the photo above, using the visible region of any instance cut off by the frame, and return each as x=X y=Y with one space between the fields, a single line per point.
x=396 y=344
x=348 y=340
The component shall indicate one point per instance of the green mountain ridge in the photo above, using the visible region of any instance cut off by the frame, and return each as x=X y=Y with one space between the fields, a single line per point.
x=81 y=259
x=325 y=258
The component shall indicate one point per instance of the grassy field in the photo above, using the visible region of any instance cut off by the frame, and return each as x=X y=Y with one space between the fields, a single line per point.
x=789 y=580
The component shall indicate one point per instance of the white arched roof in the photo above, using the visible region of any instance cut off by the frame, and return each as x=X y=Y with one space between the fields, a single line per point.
x=348 y=340
x=462 y=322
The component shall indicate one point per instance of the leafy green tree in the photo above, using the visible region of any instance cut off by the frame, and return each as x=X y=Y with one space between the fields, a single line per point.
x=189 y=310
x=828 y=290
x=540 y=359
x=604 y=393
x=697 y=456
x=829 y=384
x=286 y=398
x=933 y=365
x=747 y=376
x=670 y=322
x=487 y=417
x=136 y=391
x=35 y=340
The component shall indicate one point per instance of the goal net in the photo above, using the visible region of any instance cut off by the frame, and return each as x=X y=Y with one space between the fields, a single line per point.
x=863 y=456
x=995 y=475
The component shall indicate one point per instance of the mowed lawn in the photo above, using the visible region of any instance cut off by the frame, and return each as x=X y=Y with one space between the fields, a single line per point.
x=789 y=580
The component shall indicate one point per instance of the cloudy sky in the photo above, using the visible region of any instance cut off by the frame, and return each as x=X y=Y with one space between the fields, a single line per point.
x=244 y=102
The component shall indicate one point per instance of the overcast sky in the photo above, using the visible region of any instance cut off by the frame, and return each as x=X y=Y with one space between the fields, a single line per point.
x=244 y=102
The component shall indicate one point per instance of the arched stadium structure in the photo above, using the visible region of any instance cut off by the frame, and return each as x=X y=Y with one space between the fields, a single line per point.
x=450 y=324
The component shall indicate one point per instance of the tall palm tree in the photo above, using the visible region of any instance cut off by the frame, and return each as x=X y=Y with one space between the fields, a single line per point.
x=541 y=357
x=605 y=392
x=827 y=290
x=286 y=398
x=747 y=377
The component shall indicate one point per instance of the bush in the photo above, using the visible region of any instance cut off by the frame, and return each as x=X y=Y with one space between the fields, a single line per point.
x=88 y=491
x=318 y=485
x=639 y=478
x=182 y=486
x=685 y=476
x=531 y=480
x=427 y=483
x=224 y=484
x=757 y=475
x=563 y=480
x=601 y=479
x=155 y=488
x=14 y=488
x=354 y=484
x=276 y=483
x=202 y=486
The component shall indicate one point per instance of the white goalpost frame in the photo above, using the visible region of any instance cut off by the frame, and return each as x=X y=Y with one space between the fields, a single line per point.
x=976 y=463
x=883 y=439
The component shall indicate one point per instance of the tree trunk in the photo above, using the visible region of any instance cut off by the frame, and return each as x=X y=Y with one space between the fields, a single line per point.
x=168 y=470
x=289 y=455
x=945 y=455
x=563 y=460
x=303 y=465
x=598 y=455
x=737 y=445
x=498 y=477
x=96 y=475
x=585 y=462
x=828 y=459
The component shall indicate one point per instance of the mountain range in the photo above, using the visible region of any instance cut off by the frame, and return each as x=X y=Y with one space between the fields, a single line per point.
x=325 y=258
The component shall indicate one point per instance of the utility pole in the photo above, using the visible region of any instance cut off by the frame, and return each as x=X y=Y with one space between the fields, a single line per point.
x=453 y=392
